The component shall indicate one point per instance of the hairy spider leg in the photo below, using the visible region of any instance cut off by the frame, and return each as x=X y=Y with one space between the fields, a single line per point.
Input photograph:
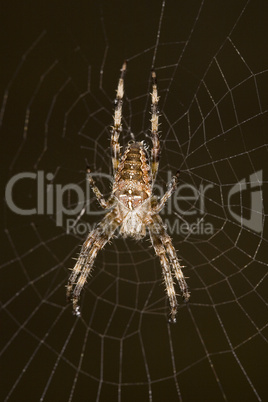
x=105 y=204
x=170 y=190
x=117 y=127
x=167 y=274
x=93 y=244
x=155 y=152
x=171 y=252
x=79 y=264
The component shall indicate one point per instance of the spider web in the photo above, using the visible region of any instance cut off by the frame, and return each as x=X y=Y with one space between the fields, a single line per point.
x=61 y=69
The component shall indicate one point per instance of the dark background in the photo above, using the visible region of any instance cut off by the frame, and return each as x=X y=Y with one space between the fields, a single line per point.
x=60 y=66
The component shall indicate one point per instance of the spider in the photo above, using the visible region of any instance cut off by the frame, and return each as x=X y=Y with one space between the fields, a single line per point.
x=132 y=206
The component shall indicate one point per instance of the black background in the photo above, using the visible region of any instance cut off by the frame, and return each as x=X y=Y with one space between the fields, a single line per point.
x=60 y=66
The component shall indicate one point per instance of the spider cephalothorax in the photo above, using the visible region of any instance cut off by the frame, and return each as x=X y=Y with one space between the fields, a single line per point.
x=133 y=208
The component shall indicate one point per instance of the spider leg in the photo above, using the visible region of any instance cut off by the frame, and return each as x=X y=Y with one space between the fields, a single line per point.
x=167 y=274
x=171 y=252
x=117 y=127
x=103 y=203
x=155 y=152
x=95 y=241
x=165 y=250
x=171 y=188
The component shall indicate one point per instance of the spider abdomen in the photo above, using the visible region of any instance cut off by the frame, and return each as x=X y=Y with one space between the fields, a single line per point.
x=132 y=181
x=133 y=165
